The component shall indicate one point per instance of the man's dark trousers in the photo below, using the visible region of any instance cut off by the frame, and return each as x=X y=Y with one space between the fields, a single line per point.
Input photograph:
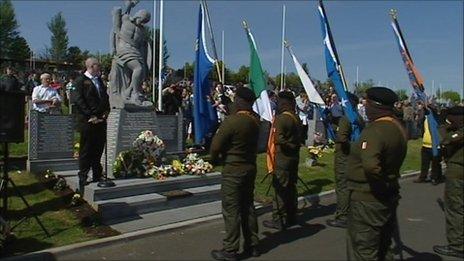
x=92 y=143
x=426 y=158
x=238 y=209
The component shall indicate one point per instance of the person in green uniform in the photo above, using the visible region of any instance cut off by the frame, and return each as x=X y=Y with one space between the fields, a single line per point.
x=235 y=145
x=452 y=135
x=284 y=178
x=342 y=150
x=373 y=173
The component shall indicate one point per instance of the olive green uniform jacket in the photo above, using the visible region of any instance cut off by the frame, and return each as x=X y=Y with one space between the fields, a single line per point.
x=373 y=172
x=342 y=150
x=287 y=141
x=235 y=144
x=453 y=141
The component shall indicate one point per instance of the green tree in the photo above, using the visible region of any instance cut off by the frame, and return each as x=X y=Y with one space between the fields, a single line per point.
x=75 y=56
x=451 y=96
x=11 y=43
x=149 y=34
x=241 y=75
x=402 y=94
x=291 y=80
x=59 y=39
x=362 y=87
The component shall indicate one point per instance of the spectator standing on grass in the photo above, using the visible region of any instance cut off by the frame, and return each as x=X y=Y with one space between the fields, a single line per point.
x=419 y=119
x=9 y=82
x=71 y=93
x=408 y=119
x=44 y=97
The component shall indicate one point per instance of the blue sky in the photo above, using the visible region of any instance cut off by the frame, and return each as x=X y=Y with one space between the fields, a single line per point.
x=363 y=36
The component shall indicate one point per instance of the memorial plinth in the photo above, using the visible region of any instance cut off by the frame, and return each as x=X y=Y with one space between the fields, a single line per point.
x=125 y=125
x=51 y=142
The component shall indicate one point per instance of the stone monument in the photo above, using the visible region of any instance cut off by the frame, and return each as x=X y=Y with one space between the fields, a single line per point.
x=51 y=142
x=130 y=112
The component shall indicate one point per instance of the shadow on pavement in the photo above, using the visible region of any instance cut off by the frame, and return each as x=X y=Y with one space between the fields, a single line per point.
x=315 y=211
x=45 y=256
x=273 y=240
x=417 y=256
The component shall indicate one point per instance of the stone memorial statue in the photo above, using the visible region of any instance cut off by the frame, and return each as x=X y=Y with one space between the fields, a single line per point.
x=130 y=46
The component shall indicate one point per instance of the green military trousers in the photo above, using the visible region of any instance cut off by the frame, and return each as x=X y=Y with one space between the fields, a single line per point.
x=454 y=213
x=285 y=203
x=341 y=187
x=238 y=209
x=370 y=229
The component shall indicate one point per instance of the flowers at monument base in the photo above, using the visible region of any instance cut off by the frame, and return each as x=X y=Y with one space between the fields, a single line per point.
x=315 y=151
x=195 y=165
x=76 y=150
x=147 y=151
x=144 y=159
x=191 y=165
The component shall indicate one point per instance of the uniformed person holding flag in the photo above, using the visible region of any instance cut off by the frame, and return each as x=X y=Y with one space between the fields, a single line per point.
x=285 y=175
x=235 y=144
x=452 y=135
x=373 y=173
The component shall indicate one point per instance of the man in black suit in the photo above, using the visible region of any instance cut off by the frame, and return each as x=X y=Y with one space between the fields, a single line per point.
x=93 y=107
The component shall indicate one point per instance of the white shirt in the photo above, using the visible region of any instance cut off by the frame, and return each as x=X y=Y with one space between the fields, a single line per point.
x=95 y=81
x=41 y=93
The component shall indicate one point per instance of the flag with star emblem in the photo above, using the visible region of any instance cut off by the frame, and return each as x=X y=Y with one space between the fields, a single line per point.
x=335 y=73
x=416 y=80
x=204 y=116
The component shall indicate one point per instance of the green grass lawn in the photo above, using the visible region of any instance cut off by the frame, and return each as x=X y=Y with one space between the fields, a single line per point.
x=52 y=209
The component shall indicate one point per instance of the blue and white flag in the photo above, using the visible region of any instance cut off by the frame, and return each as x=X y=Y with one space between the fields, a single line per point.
x=204 y=116
x=334 y=72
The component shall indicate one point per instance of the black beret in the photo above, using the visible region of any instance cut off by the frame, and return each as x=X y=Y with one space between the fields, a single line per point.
x=246 y=94
x=382 y=95
x=286 y=95
x=353 y=98
x=456 y=110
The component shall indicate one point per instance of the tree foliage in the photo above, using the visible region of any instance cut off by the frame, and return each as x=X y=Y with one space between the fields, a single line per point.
x=12 y=45
x=59 y=39
x=451 y=96
x=402 y=94
x=361 y=88
x=149 y=33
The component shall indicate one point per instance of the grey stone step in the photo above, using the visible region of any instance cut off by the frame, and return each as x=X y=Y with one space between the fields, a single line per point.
x=170 y=216
x=133 y=187
x=141 y=204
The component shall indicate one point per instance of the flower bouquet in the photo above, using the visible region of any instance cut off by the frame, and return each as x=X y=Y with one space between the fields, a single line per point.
x=194 y=165
x=146 y=153
x=315 y=152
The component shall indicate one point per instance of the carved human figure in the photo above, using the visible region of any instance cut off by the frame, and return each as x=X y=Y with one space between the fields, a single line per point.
x=131 y=50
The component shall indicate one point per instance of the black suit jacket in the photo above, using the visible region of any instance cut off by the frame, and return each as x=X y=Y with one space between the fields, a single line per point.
x=89 y=102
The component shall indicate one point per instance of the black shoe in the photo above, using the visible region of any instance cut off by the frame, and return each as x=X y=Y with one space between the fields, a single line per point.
x=336 y=223
x=273 y=225
x=251 y=251
x=291 y=222
x=437 y=181
x=447 y=251
x=224 y=255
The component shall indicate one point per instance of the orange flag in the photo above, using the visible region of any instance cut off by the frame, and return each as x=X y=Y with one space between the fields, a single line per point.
x=271 y=149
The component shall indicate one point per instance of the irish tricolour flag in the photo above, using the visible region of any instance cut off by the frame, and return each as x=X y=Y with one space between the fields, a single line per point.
x=258 y=82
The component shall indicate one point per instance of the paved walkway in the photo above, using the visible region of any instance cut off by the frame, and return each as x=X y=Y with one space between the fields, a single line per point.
x=421 y=221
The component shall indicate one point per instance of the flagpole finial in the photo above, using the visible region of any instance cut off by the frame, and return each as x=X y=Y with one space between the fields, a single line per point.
x=286 y=44
x=244 y=24
x=394 y=13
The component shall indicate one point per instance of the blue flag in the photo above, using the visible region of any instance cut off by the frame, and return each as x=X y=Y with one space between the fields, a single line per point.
x=204 y=115
x=335 y=74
